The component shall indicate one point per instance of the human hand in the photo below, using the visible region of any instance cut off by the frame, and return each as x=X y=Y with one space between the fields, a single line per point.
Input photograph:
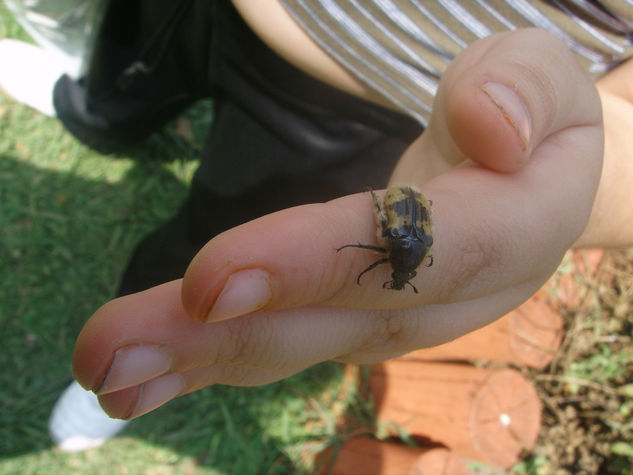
x=510 y=195
x=611 y=221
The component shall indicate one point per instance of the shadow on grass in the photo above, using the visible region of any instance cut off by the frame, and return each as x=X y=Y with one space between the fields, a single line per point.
x=67 y=229
x=63 y=241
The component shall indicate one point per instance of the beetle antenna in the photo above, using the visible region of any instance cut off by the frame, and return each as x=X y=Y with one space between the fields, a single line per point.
x=412 y=286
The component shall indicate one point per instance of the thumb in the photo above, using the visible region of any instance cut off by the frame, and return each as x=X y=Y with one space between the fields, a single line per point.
x=504 y=95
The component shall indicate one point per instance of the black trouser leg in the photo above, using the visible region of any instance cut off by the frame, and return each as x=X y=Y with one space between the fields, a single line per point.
x=279 y=138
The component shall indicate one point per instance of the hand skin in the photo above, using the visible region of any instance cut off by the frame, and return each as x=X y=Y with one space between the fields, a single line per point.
x=511 y=193
x=611 y=221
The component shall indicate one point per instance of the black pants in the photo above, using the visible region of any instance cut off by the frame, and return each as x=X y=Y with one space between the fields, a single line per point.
x=279 y=138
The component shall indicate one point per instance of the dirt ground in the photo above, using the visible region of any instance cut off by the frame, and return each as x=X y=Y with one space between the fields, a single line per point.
x=587 y=391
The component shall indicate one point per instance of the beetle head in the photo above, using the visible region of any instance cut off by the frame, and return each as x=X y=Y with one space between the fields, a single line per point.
x=400 y=279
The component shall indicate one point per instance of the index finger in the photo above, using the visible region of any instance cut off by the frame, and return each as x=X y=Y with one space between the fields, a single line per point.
x=491 y=231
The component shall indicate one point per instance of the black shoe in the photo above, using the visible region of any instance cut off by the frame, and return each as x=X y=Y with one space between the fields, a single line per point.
x=145 y=70
x=110 y=125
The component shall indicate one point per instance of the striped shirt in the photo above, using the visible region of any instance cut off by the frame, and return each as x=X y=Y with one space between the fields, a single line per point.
x=401 y=48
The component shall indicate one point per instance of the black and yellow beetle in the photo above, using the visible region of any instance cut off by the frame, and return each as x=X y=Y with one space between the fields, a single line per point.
x=405 y=232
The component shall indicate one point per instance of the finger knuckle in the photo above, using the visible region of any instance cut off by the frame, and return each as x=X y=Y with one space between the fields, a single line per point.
x=477 y=262
x=391 y=331
x=243 y=342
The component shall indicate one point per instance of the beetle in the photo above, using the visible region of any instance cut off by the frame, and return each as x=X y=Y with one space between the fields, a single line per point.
x=405 y=232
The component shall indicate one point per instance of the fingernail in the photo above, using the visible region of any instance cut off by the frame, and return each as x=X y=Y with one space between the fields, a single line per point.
x=133 y=365
x=513 y=109
x=157 y=392
x=244 y=292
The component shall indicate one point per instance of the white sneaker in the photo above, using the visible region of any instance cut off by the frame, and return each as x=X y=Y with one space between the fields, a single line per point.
x=29 y=73
x=78 y=423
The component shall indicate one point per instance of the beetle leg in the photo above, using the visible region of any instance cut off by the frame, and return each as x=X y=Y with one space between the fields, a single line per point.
x=411 y=276
x=364 y=246
x=377 y=263
x=430 y=257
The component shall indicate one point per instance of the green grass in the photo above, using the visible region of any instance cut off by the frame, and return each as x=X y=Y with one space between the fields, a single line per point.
x=69 y=219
